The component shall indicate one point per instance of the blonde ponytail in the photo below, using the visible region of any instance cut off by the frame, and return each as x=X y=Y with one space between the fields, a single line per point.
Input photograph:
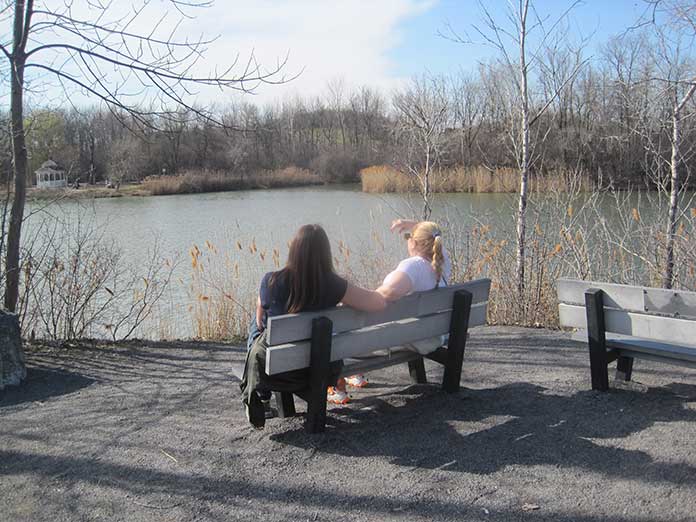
x=438 y=259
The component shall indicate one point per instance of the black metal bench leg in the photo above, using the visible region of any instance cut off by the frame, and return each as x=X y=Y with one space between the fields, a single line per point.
x=459 y=325
x=596 y=339
x=285 y=403
x=319 y=369
x=417 y=370
x=624 y=368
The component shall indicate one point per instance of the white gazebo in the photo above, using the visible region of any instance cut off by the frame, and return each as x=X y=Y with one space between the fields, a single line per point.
x=50 y=175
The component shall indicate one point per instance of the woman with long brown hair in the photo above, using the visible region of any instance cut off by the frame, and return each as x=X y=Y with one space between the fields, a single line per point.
x=306 y=283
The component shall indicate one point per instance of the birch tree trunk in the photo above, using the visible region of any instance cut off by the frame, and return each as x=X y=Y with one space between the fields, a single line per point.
x=524 y=157
x=668 y=273
x=426 y=184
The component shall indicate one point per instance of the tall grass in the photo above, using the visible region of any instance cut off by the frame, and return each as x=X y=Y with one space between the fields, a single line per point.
x=222 y=295
x=215 y=181
x=385 y=179
x=615 y=237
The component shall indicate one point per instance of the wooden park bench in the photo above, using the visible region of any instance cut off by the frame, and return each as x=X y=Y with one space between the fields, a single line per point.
x=314 y=339
x=627 y=322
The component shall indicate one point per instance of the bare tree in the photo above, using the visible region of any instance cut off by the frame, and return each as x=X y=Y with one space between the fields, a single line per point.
x=106 y=57
x=467 y=105
x=422 y=108
x=674 y=26
x=509 y=39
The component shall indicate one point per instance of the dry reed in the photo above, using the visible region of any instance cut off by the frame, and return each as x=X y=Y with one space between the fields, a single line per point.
x=386 y=179
x=215 y=181
x=569 y=236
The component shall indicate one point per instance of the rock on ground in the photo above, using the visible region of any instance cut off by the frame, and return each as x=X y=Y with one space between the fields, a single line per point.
x=12 y=367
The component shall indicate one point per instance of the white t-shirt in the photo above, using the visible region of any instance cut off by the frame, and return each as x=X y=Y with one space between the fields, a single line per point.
x=421 y=273
x=422 y=276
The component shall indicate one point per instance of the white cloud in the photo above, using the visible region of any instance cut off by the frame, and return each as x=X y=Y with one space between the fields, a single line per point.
x=324 y=40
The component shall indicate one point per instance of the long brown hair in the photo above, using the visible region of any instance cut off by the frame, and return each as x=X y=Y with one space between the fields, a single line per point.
x=308 y=268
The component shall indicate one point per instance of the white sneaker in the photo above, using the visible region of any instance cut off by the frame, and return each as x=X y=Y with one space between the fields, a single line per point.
x=336 y=396
x=357 y=381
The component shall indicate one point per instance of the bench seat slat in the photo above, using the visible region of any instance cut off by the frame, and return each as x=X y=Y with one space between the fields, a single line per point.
x=666 y=329
x=290 y=328
x=643 y=347
x=661 y=358
x=294 y=356
x=368 y=364
x=676 y=303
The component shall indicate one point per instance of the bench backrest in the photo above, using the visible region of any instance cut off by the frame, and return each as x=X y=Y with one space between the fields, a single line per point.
x=649 y=313
x=413 y=318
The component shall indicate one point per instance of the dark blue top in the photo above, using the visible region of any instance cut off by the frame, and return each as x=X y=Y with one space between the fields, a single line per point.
x=274 y=298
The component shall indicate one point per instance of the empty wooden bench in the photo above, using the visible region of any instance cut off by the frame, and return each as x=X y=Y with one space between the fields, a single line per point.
x=314 y=339
x=627 y=322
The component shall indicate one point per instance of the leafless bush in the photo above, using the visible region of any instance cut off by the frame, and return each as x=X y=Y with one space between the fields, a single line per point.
x=76 y=283
x=604 y=235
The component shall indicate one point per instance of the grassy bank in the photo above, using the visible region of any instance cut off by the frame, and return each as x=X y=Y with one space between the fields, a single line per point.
x=211 y=181
x=191 y=182
x=86 y=192
x=375 y=179
x=386 y=179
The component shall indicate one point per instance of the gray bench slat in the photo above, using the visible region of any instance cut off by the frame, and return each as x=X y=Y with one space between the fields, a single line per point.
x=643 y=347
x=368 y=364
x=678 y=303
x=661 y=358
x=667 y=329
x=294 y=356
x=289 y=328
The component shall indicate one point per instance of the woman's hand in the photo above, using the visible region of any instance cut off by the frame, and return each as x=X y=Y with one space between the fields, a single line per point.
x=402 y=225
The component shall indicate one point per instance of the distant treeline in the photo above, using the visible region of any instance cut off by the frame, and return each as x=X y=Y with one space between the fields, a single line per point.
x=611 y=120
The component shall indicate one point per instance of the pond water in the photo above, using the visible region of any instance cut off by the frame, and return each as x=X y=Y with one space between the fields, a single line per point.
x=266 y=219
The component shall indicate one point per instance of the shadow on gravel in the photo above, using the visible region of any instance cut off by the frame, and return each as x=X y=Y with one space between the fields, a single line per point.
x=42 y=384
x=165 y=490
x=483 y=431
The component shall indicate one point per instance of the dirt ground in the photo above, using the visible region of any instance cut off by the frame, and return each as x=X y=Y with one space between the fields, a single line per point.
x=156 y=433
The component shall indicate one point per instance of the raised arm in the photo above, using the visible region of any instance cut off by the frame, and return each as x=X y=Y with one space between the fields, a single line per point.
x=362 y=299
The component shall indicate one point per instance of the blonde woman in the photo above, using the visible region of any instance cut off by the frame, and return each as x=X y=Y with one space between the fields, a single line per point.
x=427 y=267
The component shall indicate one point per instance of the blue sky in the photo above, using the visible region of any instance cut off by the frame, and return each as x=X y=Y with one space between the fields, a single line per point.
x=383 y=43
x=379 y=43
x=421 y=47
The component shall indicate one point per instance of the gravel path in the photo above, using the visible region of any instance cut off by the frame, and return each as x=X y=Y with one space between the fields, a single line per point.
x=156 y=433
